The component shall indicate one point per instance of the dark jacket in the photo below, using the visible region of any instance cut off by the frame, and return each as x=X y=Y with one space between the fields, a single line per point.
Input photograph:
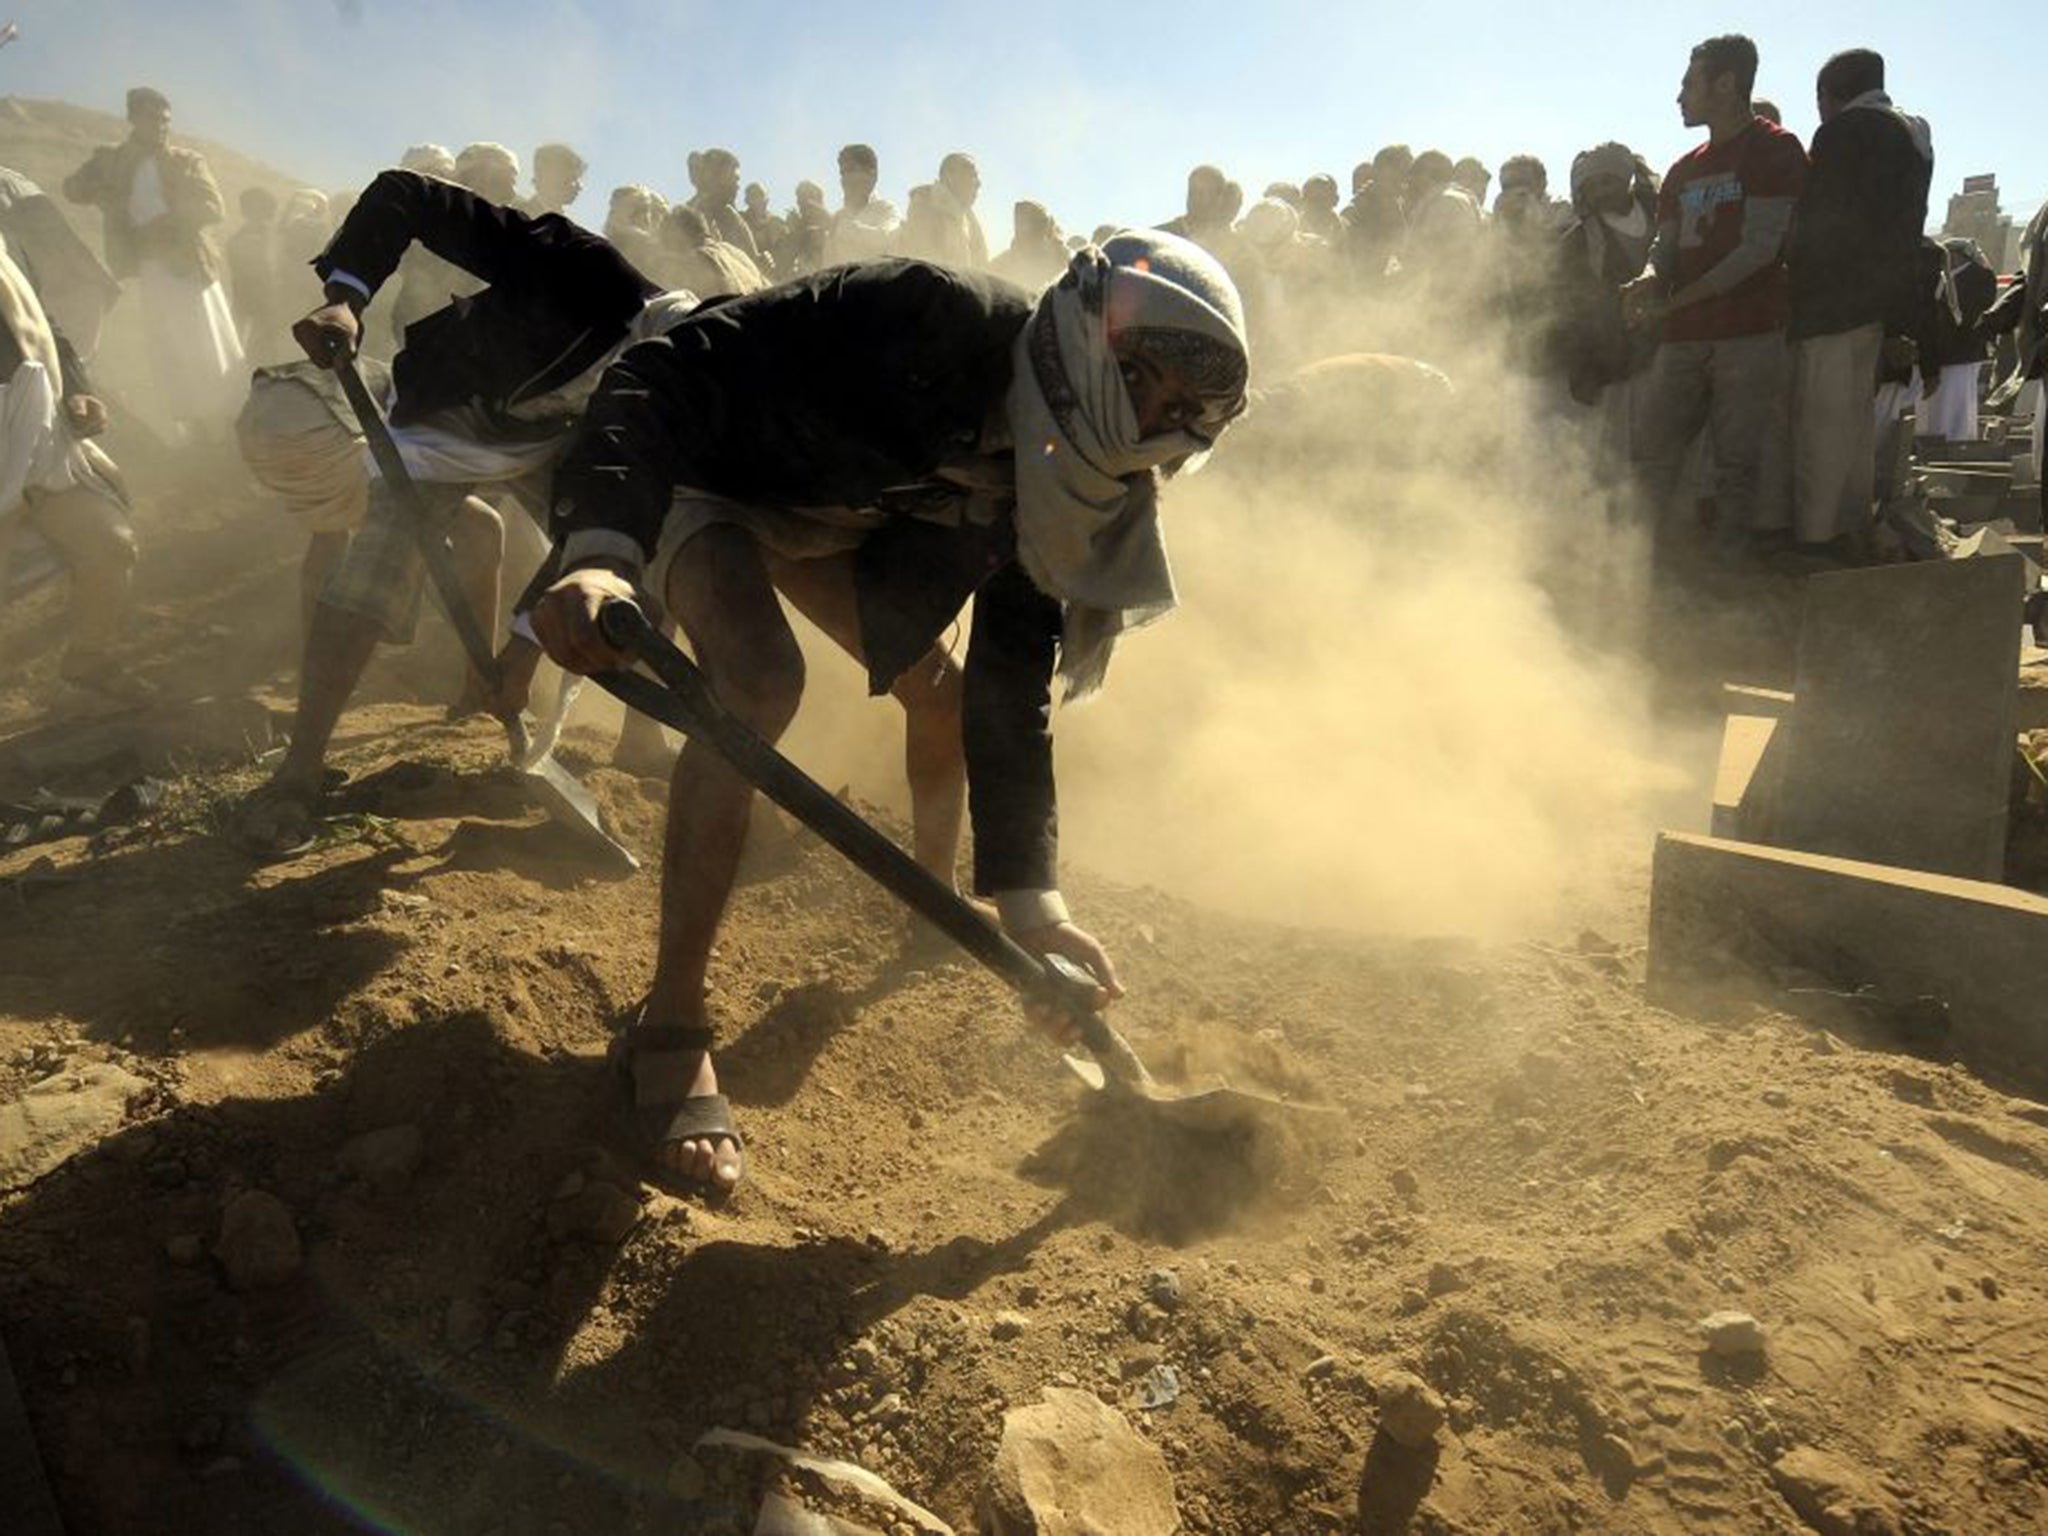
x=1853 y=256
x=1956 y=288
x=191 y=198
x=849 y=388
x=1588 y=341
x=559 y=298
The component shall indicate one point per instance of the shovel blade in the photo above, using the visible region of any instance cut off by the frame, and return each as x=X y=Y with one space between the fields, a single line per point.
x=1215 y=1111
x=557 y=791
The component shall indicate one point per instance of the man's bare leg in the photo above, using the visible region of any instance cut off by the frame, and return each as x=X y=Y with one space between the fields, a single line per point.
x=930 y=692
x=323 y=554
x=719 y=591
x=339 y=645
x=477 y=540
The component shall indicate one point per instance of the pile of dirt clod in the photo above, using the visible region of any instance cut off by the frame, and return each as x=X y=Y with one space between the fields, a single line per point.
x=355 y=1242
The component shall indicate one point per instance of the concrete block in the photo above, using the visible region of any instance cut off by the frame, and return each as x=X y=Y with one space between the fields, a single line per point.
x=1748 y=779
x=1900 y=751
x=1721 y=909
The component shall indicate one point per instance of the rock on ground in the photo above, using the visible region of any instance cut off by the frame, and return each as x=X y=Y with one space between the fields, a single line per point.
x=1732 y=1333
x=1073 y=1466
x=1412 y=1412
x=60 y=1117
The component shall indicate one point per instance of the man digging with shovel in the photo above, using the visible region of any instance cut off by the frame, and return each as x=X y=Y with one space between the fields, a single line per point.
x=485 y=394
x=876 y=444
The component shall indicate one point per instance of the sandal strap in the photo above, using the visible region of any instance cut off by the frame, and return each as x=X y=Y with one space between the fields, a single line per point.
x=636 y=1038
x=702 y=1117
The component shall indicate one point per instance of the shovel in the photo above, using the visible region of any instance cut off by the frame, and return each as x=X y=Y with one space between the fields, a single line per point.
x=556 y=790
x=683 y=700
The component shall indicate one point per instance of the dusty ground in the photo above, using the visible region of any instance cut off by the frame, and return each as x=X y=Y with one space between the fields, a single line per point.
x=1537 y=1184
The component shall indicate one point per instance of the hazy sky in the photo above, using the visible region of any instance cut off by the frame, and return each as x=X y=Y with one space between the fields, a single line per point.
x=1098 y=112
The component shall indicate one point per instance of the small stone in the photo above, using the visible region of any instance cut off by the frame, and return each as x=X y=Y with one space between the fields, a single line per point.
x=1732 y=1333
x=1988 y=1284
x=1413 y=1299
x=383 y=1159
x=258 y=1244
x=1412 y=1413
x=1162 y=1289
x=1008 y=1325
x=1777 y=1098
x=1444 y=1279
x=1404 y=1182
x=1321 y=1366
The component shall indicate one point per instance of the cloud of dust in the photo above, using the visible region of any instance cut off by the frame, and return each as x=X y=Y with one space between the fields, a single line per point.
x=1363 y=719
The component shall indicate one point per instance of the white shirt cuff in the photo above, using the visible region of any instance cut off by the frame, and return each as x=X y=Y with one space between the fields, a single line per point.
x=350 y=280
x=1025 y=910
x=587 y=544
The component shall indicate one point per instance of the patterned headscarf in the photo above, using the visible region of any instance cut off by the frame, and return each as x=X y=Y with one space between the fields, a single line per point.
x=1087 y=485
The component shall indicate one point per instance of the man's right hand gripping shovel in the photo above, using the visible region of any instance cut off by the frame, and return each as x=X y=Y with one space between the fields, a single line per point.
x=330 y=334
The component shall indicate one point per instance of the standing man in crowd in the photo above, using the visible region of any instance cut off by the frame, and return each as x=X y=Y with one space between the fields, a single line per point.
x=158 y=204
x=1853 y=263
x=1716 y=284
x=557 y=180
x=951 y=235
x=847 y=440
x=866 y=226
x=715 y=178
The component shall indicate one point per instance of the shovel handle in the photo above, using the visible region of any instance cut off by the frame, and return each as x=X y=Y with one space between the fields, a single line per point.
x=433 y=550
x=685 y=701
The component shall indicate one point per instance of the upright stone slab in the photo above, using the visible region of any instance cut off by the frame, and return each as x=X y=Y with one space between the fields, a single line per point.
x=1900 y=750
x=1720 y=908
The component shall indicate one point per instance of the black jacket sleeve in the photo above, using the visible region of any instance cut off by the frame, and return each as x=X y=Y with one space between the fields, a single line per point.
x=500 y=245
x=1007 y=731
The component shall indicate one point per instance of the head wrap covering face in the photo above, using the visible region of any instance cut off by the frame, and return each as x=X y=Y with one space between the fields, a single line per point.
x=1087 y=484
x=1602 y=160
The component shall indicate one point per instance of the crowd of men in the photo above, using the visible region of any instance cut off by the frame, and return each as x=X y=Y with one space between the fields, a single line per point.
x=713 y=409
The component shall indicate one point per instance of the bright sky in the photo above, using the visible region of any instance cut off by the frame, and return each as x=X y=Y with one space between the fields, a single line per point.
x=1094 y=110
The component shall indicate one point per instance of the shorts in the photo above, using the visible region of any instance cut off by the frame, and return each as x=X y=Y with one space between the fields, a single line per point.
x=294 y=445
x=810 y=533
